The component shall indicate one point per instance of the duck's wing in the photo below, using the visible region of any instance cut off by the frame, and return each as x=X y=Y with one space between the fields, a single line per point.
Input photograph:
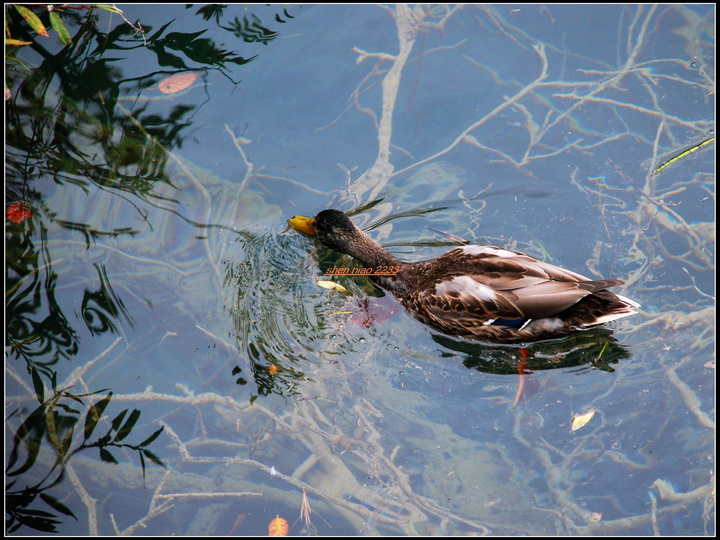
x=487 y=284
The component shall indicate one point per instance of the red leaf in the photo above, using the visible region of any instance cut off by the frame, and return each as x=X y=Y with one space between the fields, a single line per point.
x=18 y=211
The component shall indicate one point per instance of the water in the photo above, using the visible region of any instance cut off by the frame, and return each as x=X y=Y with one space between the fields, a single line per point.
x=157 y=269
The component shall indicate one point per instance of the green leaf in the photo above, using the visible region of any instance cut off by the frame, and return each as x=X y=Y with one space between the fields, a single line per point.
x=102 y=441
x=109 y=7
x=33 y=20
x=152 y=437
x=74 y=397
x=38 y=523
x=128 y=427
x=59 y=27
x=32 y=431
x=152 y=457
x=142 y=464
x=117 y=421
x=67 y=441
x=107 y=456
x=37 y=384
x=94 y=415
x=67 y=409
x=57 y=505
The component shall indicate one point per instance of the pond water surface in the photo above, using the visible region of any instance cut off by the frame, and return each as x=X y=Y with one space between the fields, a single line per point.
x=172 y=366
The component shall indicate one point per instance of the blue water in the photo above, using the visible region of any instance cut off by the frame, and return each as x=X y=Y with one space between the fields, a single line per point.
x=158 y=269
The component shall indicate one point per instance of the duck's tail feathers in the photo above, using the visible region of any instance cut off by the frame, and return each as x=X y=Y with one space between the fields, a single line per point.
x=622 y=308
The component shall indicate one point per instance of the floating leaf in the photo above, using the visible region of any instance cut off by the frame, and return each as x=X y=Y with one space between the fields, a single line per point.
x=581 y=419
x=59 y=27
x=273 y=369
x=278 y=527
x=18 y=211
x=32 y=20
x=177 y=83
x=331 y=286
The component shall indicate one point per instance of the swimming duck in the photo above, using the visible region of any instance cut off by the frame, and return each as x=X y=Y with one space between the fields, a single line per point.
x=480 y=292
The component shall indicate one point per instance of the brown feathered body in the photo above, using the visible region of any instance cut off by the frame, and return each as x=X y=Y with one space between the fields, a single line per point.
x=480 y=292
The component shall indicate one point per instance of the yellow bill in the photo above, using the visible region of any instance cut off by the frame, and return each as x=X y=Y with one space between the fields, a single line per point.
x=303 y=225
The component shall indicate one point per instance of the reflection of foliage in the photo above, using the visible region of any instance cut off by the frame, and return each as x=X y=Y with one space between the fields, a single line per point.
x=87 y=119
x=251 y=31
x=41 y=340
x=87 y=139
x=57 y=418
x=201 y=50
x=99 y=308
x=18 y=512
x=65 y=123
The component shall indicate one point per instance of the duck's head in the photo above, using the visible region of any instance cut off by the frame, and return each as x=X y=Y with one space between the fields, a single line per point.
x=332 y=227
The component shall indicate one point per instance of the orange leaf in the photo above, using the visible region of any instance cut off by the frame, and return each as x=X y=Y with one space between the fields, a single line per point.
x=177 y=83
x=273 y=369
x=17 y=42
x=18 y=211
x=278 y=527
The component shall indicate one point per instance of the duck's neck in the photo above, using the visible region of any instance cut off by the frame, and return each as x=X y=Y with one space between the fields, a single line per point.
x=380 y=266
x=370 y=253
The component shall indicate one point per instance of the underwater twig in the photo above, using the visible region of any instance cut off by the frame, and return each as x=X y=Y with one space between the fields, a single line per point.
x=698 y=251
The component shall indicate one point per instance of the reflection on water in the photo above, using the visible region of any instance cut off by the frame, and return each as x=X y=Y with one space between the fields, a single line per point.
x=172 y=366
x=105 y=172
x=594 y=347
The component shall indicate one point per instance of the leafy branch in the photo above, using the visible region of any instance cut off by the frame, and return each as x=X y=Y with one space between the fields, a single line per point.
x=57 y=418
x=56 y=22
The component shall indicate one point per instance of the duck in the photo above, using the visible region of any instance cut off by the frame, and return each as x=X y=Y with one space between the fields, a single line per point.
x=480 y=292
